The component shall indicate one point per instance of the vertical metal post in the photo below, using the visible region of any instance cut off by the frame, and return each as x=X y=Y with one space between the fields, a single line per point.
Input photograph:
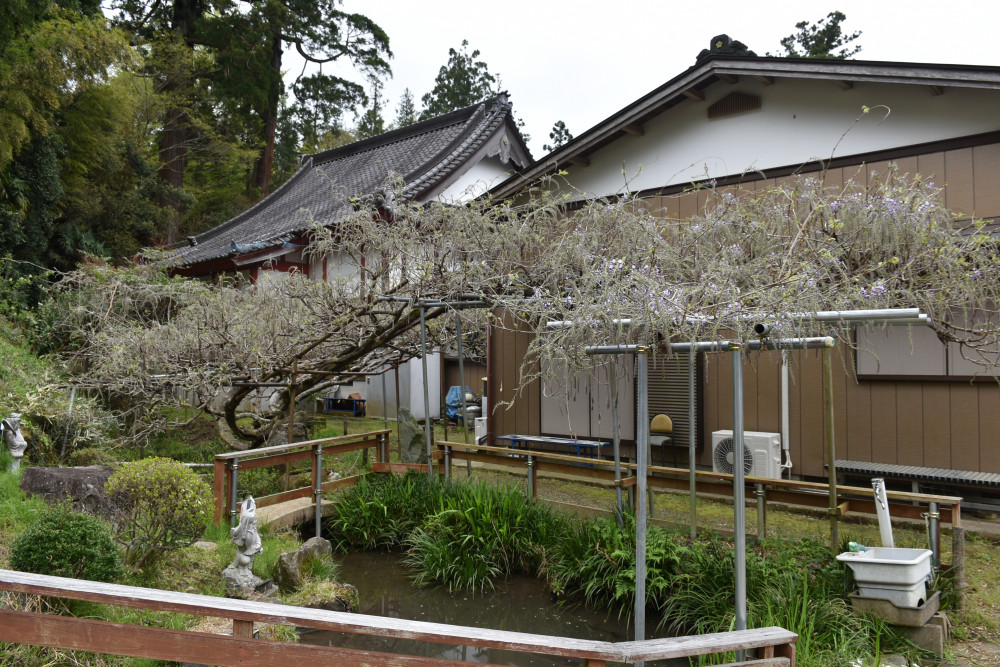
x=691 y=443
x=385 y=404
x=739 y=493
x=934 y=533
x=642 y=420
x=318 y=491
x=761 y=512
x=234 y=517
x=616 y=440
x=427 y=400
x=447 y=462
x=531 y=477
x=831 y=447
x=461 y=372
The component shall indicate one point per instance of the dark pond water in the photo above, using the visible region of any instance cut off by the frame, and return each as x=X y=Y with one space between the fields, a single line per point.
x=521 y=605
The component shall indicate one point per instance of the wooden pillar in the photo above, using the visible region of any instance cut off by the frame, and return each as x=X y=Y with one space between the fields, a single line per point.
x=220 y=481
x=242 y=628
x=958 y=561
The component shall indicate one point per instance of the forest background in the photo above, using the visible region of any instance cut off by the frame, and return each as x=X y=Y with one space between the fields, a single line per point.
x=126 y=124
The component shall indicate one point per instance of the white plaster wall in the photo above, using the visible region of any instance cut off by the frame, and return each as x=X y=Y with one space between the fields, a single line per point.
x=483 y=175
x=800 y=121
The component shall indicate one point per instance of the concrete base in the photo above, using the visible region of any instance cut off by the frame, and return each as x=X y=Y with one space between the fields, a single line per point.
x=931 y=636
x=914 y=617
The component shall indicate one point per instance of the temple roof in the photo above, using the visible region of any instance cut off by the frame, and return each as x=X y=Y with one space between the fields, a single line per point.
x=422 y=158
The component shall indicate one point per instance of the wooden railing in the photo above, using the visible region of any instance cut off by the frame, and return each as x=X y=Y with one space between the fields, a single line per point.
x=773 y=646
x=902 y=504
x=228 y=465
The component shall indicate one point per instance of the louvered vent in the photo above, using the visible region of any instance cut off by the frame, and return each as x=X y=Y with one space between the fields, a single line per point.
x=668 y=394
x=732 y=104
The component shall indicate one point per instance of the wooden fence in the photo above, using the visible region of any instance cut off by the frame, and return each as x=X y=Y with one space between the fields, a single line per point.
x=773 y=646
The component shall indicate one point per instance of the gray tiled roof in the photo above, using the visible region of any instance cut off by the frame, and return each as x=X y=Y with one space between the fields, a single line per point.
x=422 y=155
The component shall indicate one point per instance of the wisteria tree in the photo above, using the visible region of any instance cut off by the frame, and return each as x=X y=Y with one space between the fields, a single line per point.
x=746 y=258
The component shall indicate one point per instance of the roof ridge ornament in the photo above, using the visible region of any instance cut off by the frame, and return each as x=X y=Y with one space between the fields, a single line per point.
x=724 y=45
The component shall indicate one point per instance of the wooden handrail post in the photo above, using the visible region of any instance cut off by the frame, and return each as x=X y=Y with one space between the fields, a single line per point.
x=234 y=468
x=242 y=628
x=219 y=479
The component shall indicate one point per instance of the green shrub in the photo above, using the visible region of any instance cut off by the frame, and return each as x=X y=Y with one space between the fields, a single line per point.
x=65 y=543
x=160 y=504
x=91 y=456
x=260 y=482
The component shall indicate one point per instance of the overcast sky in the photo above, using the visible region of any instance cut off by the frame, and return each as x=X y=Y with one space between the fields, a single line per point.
x=581 y=61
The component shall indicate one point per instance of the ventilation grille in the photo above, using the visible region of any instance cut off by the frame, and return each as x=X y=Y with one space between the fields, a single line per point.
x=733 y=104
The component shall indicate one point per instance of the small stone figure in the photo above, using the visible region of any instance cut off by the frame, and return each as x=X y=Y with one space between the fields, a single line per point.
x=11 y=428
x=238 y=575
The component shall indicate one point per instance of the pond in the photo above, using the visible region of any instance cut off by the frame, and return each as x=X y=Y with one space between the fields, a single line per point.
x=521 y=604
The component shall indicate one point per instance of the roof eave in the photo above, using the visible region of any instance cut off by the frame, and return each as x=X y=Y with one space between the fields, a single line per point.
x=707 y=71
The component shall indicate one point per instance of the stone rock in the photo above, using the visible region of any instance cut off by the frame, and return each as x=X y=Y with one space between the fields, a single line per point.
x=412 y=444
x=83 y=485
x=345 y=598
x=279 y=435
x=288 y=570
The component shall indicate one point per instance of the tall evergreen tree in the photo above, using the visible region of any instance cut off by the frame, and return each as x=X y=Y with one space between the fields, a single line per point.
x=559 y=135
x=244 y=44
x=462 y=82
x=406 y=112
x=823 y=39
x=371 y=123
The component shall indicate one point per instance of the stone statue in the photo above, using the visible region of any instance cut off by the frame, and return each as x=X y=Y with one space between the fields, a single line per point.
x=11 y=428
x=238 y=575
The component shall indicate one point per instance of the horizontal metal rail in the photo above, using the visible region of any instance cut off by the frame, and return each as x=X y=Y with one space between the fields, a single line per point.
x=774 y=645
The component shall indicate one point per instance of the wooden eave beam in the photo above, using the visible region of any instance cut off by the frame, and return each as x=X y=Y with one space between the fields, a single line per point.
x=766 y=80
x=844 y=85
x=634 y=129
x=936 y=90
x=728 y=78
x=578 y=161
x=694 y=94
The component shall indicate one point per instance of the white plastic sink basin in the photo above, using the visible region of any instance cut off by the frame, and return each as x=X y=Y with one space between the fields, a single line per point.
x=885 y=573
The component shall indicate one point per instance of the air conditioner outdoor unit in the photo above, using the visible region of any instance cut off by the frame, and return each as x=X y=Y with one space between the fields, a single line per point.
x=761 y=453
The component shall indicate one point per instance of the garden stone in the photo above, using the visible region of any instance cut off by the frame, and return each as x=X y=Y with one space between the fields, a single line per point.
x=279 y=435
x=84 y=486
x=288 y=570
x=11 y=428
x=238 y=576
x=412 y=445
x=344 y=599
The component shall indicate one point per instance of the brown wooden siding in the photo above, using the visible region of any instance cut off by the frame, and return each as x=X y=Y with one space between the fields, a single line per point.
x=909 y=422
x=523 y=416
x=474 y=374
x=938 y=424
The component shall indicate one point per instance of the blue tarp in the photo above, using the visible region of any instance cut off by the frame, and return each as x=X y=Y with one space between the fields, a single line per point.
x=453 y=401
